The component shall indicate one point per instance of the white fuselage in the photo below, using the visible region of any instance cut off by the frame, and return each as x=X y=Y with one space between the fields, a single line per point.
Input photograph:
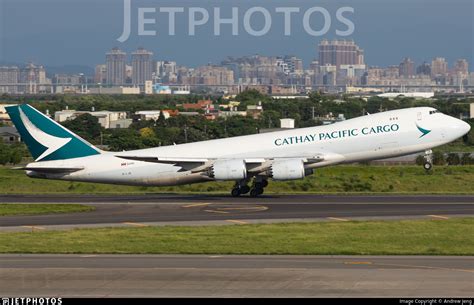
x=376 y=136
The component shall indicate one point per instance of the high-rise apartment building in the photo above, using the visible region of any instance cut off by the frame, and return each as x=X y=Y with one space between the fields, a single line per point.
x=116 y=61
x=9 y=78
x=439 y=67
x=424 y=69
x=100 y=75
x=142 y=66
x=462 y=67
x=34 y=79
x=340 y=52
x=406 y=69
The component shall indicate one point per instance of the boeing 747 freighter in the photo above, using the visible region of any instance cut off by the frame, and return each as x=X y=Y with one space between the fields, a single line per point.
x=249 y=160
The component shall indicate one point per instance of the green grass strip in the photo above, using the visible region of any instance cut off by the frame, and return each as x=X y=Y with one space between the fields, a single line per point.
x=410 y=237
x=11 y=209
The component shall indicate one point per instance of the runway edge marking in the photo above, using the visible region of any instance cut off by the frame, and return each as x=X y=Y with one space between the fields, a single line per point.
x=237 y=221
x=196 y=205
x=135 y=224
x=338 y=219
x=438 y=216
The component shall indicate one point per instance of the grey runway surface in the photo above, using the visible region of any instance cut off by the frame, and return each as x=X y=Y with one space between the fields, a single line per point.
x=235 y=276
x=199 y=209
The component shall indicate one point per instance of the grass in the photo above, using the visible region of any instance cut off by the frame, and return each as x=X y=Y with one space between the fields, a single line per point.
x=330 y=180
x=410 y=237
x=40 y=209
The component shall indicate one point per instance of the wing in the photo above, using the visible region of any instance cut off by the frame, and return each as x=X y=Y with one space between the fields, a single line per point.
x=254 y=165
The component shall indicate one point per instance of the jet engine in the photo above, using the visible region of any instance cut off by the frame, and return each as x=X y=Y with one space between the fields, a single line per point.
x=228 y=170
x=289 y=170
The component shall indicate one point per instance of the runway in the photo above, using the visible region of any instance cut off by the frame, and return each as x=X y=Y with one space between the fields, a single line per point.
x=235 y=276
x=197 y=210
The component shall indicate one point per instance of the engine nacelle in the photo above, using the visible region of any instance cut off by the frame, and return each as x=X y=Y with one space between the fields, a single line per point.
x=289 y=170
x=228 y=170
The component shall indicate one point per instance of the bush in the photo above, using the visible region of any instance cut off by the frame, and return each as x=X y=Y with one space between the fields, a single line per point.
x=466 y=159
x=420 y=160
x=438 y=158
x=453 y=159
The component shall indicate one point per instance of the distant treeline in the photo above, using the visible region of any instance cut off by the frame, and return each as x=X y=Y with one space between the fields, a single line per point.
x=183 y=129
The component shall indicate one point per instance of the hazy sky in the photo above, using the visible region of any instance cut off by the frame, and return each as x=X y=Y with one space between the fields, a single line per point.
x=63 y=32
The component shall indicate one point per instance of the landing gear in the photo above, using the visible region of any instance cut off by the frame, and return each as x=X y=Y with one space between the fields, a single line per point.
x=255 y=192
x=244 y=189
x=428 y=165
x=258 y=187
x=235 y=192
x=241 y=187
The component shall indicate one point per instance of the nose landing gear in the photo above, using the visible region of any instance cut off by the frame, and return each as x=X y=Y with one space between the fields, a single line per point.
x=428 y=164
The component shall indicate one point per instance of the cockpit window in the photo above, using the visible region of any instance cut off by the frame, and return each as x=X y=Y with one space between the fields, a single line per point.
x=434 y=111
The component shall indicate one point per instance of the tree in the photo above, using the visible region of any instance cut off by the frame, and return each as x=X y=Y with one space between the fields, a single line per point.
x=161 y=119
x=85 y=126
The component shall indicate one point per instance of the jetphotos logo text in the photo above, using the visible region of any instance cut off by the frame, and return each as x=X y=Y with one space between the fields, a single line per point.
x=337 y=134
x=254 y=21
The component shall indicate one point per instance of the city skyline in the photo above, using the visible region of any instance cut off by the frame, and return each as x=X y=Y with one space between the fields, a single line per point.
x=87 y=28
x=340 y=64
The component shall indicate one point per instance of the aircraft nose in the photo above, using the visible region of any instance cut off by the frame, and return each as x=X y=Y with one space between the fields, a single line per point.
x=464 y=127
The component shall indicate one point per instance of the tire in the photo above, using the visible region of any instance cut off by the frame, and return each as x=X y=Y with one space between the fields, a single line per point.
x=260 y=191
x=427 y=166
x=235 y=192
x=254 y=192
x=244 y=189
x=265 y=183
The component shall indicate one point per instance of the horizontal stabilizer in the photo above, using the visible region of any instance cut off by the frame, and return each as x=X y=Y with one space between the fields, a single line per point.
x=50 y=170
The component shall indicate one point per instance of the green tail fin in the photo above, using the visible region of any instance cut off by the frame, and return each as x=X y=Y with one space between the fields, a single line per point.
x=46 y=139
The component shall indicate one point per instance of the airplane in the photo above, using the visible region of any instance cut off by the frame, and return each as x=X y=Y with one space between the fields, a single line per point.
x=249 y=160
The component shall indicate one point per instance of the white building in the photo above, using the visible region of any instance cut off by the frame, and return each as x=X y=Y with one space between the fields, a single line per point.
x=287 y=123
x=3 y=113
x=115 y=90
x=392 y=95
x=106 y=118
x=151 y=115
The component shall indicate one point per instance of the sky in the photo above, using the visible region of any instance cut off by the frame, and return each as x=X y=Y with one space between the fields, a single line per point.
x=79 y=32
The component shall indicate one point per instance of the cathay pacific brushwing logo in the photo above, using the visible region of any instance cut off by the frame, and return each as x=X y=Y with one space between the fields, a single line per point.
x=52 y=143
x=423 y=131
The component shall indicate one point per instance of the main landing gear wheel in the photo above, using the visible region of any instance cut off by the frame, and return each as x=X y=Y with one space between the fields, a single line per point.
x=244 y=189
x=255 y=192
x=236 y=192
x=258 y=187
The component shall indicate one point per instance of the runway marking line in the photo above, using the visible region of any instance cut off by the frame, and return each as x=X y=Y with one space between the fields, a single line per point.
x=255 y=208
x=135 y=224
x=214 y=211
x=237 y=222
x=438 y=216
x=34 y=227
x=196 y=205
x=425 y=267
x=357 y=263
x=338 y=219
